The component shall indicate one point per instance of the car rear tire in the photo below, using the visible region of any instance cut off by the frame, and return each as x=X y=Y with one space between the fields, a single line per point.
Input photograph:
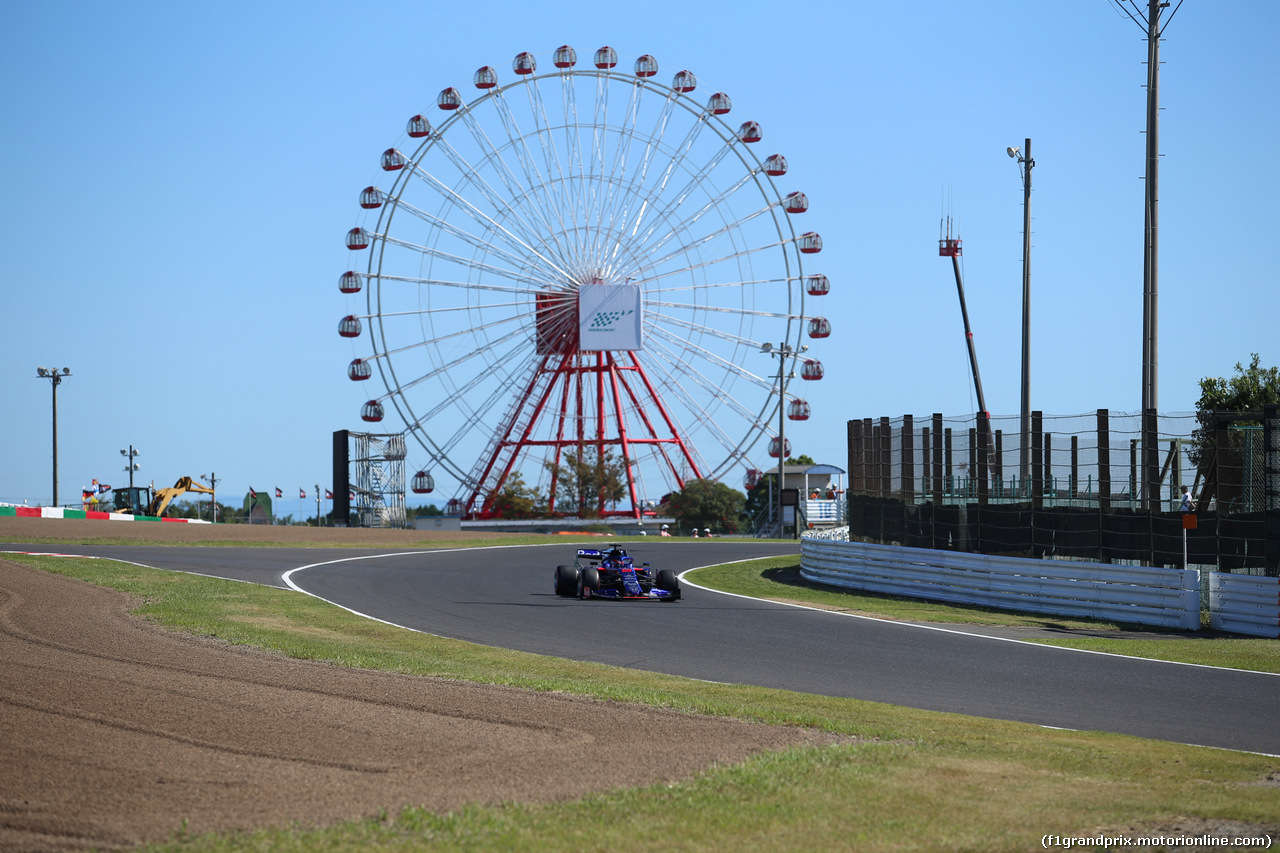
x=566 y=580
x=667 y=580
x=588 y=581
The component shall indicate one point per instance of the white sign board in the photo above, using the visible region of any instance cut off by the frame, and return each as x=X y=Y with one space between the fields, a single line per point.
x=609 y=317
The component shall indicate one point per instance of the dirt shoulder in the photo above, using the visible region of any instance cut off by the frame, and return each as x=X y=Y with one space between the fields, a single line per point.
x=118 y=732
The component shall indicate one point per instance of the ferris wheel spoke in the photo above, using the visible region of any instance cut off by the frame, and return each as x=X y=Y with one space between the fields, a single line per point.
x=732 y=256
x=483 y=242
x=465 y=424
x=468 y=424
x=452 y=402
x=694 y=243
x=692 y=350
x=720 y=309
x=595 y=176
x=439 y=254
x=550 y=153
x=678 y=375
x=445 y=311
x=452 y=284
x=658 y=318
x=543 y=214
x=714 y=204
x=458 y=363
x=456 y=200
x=730 y=284
x=662 y=215
x=606 y=205
x=623 y=210
x=471 y=176
x=624 y=138
x=576 y=176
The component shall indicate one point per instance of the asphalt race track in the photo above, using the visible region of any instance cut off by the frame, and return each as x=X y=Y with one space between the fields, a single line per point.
x=503 y=597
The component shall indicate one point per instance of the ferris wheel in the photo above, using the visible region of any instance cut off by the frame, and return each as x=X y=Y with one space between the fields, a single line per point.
x=581 y=264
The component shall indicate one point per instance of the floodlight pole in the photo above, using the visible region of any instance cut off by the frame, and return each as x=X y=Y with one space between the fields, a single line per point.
x=55 y=376
x=1028 y=164
x=130 y=465
x=1024 y=451
x=783 y=351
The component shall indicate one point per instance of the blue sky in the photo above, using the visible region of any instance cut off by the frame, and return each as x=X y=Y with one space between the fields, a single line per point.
x=179 y=177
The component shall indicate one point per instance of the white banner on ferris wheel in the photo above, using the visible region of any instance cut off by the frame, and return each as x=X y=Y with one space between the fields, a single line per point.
x=609 y=317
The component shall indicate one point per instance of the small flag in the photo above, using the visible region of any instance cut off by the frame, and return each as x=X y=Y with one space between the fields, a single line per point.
x=302 y=493
x=252 y=494
x=328 y=495
x=279 y=493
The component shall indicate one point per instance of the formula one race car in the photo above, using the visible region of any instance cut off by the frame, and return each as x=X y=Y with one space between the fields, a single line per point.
x=610 y=573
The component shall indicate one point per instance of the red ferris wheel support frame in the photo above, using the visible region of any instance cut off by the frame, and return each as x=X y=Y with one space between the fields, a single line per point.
x=591 y=397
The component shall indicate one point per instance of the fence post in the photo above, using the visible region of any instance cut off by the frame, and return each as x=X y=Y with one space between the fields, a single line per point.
x=984 y=456
x=886 y=457
x=946 y=461
x=871 y=436
x=857 y=480
x=984 y=488
x=1271 y=486
x=1104 y=479
x=1048 y=465
x=1073 y=487
x=908 y=459
x=1150 y=462
x=936 y=475
x=1037 y=460
x=937 y=459
x=997 y=474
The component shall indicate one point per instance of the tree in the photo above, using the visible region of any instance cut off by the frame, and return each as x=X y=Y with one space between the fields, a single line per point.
x=1248 y=391
x=707 y=503
x=517 y=500
x=587 y=482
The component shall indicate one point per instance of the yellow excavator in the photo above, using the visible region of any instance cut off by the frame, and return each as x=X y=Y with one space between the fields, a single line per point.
x=139 y=500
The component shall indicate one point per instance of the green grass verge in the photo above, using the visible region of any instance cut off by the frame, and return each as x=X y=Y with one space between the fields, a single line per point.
x=437 y=542
x=914 y=780
x=779 y=579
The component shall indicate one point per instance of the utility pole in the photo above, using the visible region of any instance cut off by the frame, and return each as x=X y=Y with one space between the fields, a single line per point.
x=1153 y=28
x=1151 y=216
x=212 y=479
x=1149 y=21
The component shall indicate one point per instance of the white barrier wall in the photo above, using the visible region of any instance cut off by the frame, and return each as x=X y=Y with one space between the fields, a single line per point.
x=1244 y=604
x=1166 y=598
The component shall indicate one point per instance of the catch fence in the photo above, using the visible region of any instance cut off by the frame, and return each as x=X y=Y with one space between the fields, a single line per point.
x=1101 y=486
